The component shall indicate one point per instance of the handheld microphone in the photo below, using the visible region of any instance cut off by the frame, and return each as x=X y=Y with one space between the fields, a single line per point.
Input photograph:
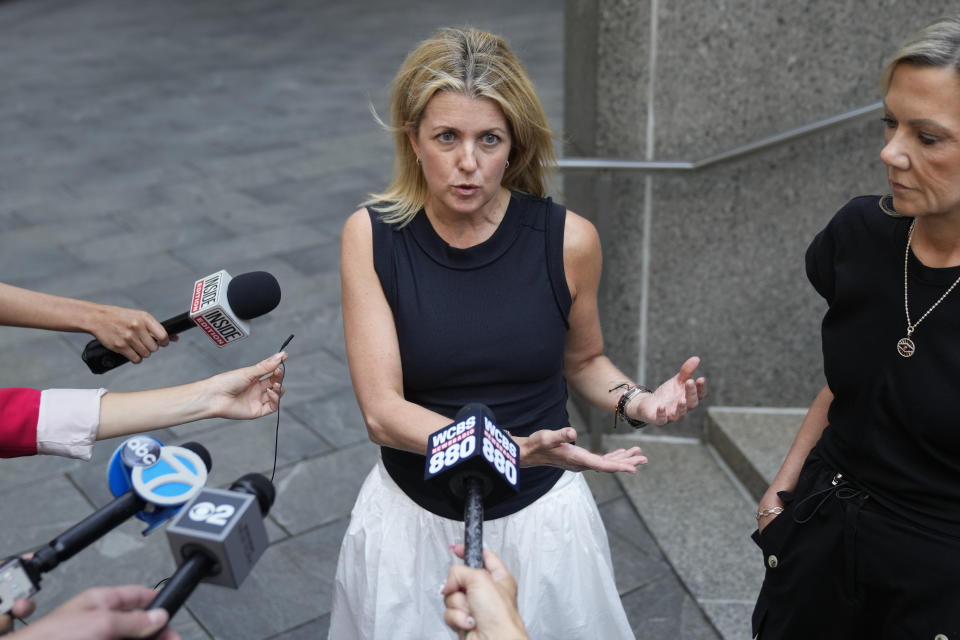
x=217 y=538
x=163 y=478
x=474 y=462
x=220 y=305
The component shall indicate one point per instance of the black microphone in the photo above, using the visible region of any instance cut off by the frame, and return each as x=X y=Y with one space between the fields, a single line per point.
x=220 y=305
x=475 y=463
x=170 y=477
x=217 y=538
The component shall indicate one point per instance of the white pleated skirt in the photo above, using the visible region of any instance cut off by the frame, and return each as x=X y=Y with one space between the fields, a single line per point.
x=395 y=557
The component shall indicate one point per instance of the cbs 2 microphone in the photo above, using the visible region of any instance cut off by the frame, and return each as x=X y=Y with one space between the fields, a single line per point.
x=149 y=481
x=220 y=305
x=217 y=538
x=474 y=462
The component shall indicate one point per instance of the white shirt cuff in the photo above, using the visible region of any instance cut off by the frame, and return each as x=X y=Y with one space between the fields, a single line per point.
x=68 y=422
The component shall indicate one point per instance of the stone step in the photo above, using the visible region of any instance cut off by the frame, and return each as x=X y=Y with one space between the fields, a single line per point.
x=753 y=441
x=701 y=517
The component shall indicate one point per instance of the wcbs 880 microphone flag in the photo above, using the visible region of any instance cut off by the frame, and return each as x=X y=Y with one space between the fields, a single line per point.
x=475 y=463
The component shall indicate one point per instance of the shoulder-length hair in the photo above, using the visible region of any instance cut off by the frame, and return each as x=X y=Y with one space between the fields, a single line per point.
x=476 y=64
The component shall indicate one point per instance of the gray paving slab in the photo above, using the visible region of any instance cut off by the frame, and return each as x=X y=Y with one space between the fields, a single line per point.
x=754 y=441
x=36 y=512
x=301 y=569
x=92 y=279
x=241 y=447
x=317 y=628
x=320 y=490
x=622 y=521
x=120 y=243
x=335 y=418
x=632 y=569
x=702 y=521
x=664 y=609
x=603 y=486
x=40 y=361
x=27 y=471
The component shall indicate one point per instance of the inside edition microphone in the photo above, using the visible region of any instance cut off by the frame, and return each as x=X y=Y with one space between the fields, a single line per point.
x=220 y=305
x=474 y=461
x=149 y=480
x=217 y=538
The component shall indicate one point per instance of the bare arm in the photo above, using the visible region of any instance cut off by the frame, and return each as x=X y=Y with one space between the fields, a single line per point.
x=587 y=369
x=594 y=376
x=238 y=394
x=810 y=430
x=131 y=332
x=373 y=351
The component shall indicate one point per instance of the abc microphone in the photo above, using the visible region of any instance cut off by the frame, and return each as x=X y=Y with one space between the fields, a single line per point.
x=217 y=538
x=160 y=480
x=221 y=306
x=475 y=462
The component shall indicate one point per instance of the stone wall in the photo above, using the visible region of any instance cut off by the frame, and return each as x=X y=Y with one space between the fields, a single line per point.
x=710 y=262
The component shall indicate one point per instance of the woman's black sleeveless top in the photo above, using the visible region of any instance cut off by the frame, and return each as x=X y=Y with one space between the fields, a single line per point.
x=485 y=324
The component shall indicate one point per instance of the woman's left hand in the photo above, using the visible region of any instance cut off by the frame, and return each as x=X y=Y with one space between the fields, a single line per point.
x=556 y=448
x=671 y=400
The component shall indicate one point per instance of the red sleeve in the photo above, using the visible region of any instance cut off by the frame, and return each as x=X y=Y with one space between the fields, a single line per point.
x=19 y=412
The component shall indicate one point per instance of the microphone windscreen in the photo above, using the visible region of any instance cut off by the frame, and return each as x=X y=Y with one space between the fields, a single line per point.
x=474 y=407
x=201 y=451
x=252 y=294
x=257 y=485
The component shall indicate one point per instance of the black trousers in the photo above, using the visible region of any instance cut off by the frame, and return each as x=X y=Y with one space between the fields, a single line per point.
x=840 y=566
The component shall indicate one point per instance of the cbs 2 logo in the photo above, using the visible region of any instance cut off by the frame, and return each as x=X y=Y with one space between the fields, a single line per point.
x=217 y=515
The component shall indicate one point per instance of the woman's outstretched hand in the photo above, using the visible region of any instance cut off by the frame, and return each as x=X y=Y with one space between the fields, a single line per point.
x=671 y=400
x=250 y=392
x=557 y=449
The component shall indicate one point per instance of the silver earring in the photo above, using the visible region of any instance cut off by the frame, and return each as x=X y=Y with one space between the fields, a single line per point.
x=418 y=161
x=506 y=165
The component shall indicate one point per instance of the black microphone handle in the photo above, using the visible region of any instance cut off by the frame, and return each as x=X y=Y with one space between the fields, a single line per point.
x=87 y=531
x=100 y=359
x=182 y=583
x=178 y=324
x=473 y=522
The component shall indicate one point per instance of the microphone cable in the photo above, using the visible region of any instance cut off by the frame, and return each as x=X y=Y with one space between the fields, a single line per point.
x=276 y=439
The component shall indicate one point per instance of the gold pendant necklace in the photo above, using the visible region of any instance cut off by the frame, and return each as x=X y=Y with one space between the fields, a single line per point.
x=906 y=347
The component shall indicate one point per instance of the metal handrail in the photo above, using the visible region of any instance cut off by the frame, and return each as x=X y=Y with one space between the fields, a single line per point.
x=736 y=152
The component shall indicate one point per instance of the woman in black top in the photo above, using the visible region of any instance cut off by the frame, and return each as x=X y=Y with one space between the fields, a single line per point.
x=463 y=283
x=860 y=529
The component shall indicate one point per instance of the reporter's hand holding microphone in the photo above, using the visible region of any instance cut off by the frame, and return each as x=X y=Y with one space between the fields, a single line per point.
x=102 y=613
x=482 y=603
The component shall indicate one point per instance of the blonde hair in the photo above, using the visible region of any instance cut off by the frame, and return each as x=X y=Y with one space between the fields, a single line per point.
x=936 y=46
x=476 y=64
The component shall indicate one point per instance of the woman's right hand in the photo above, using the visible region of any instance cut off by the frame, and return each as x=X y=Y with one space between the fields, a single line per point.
x=556 y=449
